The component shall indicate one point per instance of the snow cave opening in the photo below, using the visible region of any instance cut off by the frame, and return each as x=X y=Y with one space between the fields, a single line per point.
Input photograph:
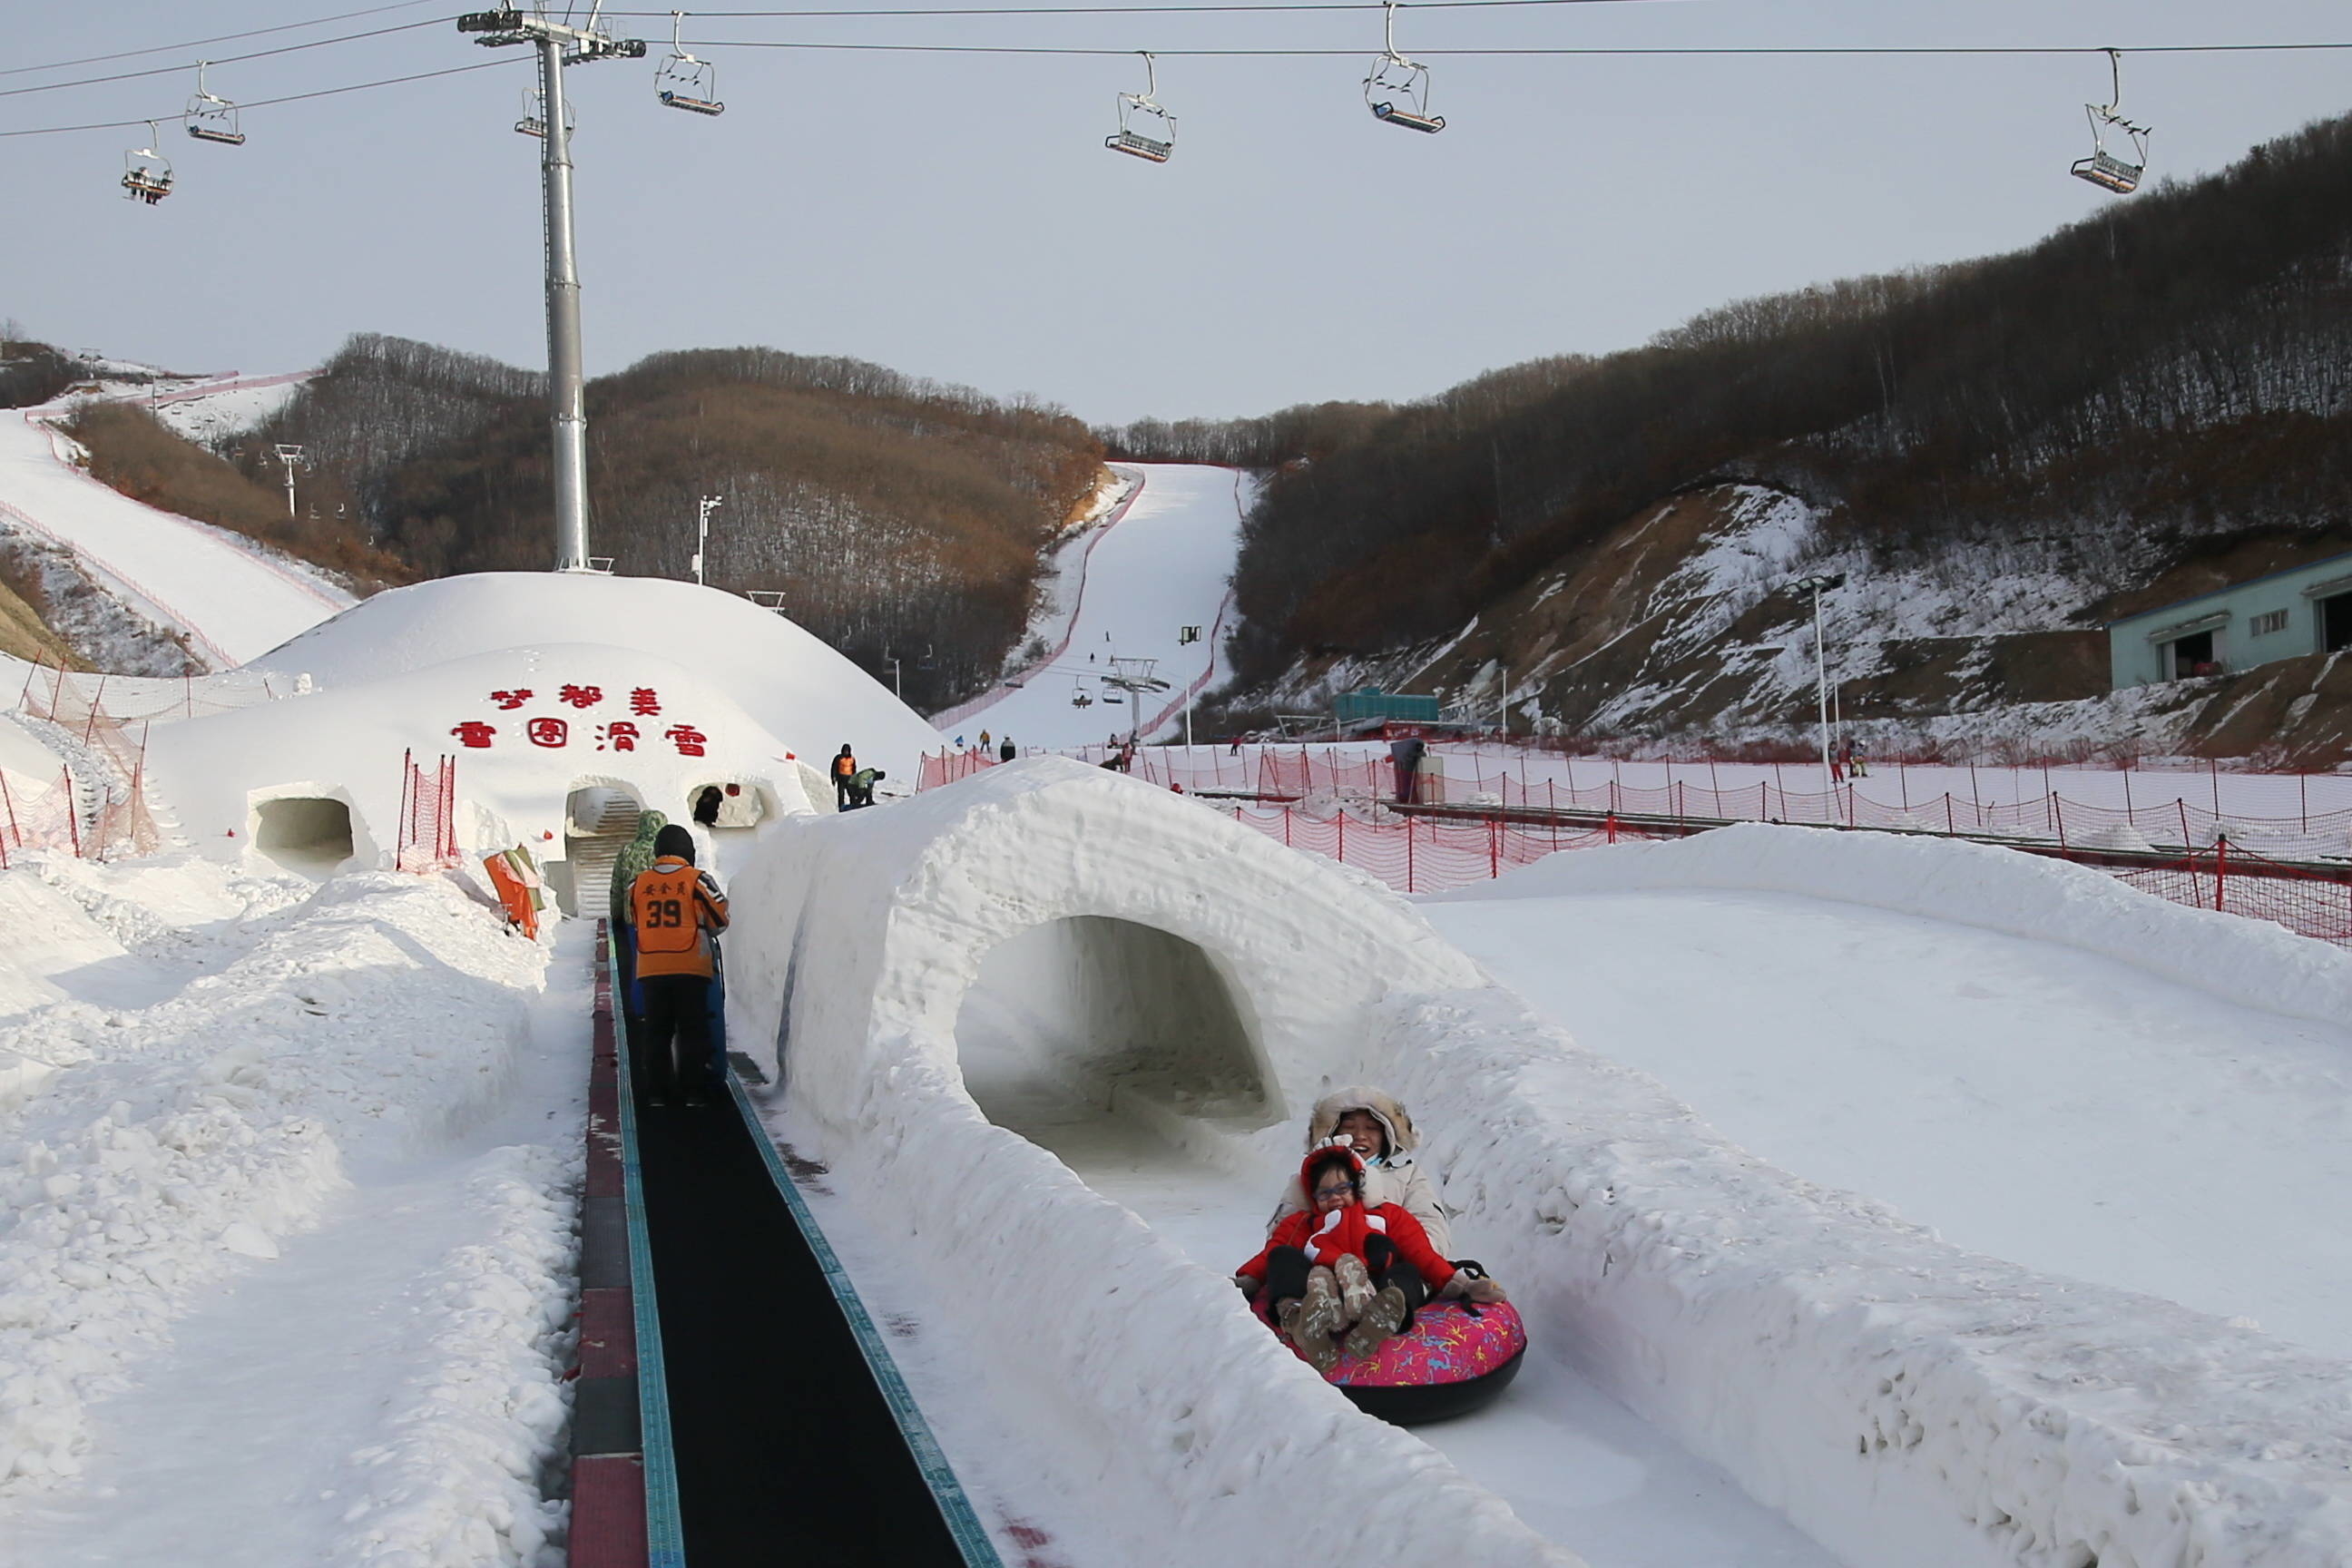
x=600 y=817
x=1089 y=1020
x=303 y=833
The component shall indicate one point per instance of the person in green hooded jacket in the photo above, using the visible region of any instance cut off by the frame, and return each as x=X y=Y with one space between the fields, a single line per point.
x=636 y=855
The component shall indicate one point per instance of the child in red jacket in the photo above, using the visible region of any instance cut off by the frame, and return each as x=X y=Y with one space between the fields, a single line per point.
x=1343 y=1265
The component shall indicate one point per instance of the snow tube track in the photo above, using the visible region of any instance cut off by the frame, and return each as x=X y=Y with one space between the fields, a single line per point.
x=786 y=1448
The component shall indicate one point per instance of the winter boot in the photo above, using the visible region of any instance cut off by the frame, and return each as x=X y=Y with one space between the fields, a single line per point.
x=1381 y=1319
x=1317 y=1321
x=1355 y=1287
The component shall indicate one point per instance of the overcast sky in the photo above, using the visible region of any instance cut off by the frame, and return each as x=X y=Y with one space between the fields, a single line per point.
x=957 y=216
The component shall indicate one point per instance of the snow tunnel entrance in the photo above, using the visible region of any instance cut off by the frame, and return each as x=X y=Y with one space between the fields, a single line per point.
x=1095 y=1018
x=599 y=820
x=303 y=833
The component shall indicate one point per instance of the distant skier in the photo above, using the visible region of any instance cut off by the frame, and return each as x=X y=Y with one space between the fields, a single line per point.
x=983 y=739
x=1839 y=760
x=844 y=763
x=676 y=914
x=1006 y=753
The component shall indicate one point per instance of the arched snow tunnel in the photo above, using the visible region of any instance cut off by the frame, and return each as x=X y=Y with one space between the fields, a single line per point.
x=307 y=833
x=1114 y=1015
x=1052 y=926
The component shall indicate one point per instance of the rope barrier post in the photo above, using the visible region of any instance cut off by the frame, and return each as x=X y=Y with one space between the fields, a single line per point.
x=2303 y=793
x=1494 y=844
x=2221 y=867
x=2059 y=817
x=1407 y=854
x=1285 y=828
x=1342 y=856
x=73 y=812
x=2182 y=807
x=2215 y=765
x=1612 y=828
x=9 y=800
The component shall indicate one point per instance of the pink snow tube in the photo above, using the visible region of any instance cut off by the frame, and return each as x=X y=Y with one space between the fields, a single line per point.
x=1457 y=1359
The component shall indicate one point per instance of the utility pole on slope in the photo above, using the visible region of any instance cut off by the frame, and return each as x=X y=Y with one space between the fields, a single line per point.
x=559 y=46
x=289 y=456
x=702 y=531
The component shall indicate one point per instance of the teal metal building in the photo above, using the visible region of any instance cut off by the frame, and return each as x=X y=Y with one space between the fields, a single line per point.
x=1369 y=704
x=2303 y=609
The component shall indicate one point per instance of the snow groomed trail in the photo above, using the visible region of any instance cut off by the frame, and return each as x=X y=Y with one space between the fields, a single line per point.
x=234 y=601
x=785 y=1443
x=1161 y=566
x=1573 y=1463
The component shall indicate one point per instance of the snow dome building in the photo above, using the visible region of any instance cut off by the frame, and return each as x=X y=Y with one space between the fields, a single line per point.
x=570 y=702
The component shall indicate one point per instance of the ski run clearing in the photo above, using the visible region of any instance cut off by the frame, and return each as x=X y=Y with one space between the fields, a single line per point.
x=1847 y=1232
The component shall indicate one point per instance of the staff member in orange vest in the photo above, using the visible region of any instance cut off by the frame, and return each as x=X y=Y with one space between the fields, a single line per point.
x=676 y=913
x=844 y=768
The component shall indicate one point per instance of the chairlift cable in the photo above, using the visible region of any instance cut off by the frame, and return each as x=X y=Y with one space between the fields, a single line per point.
x=223 y=38
x=223 y=60
x=272 y=102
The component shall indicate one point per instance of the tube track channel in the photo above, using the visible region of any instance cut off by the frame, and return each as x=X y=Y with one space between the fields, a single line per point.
x=787 y=1450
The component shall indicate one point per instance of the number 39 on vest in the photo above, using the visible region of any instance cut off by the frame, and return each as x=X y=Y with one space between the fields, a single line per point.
x=666 y=909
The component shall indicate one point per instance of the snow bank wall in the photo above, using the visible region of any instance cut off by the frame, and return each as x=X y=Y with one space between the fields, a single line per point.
x=1900 y=1399
x=856 y=941
x=2250 y=963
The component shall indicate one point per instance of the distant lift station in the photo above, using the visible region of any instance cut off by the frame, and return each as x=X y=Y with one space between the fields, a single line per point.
x=1146 y=130
x=2302 y=610
x=2106 y=167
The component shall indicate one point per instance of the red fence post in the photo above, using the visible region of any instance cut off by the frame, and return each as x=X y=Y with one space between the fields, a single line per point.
x=1342 y=856
x=1407 y=854
x=9 y=800
x=73 y=812
x=1612 y=826
x=1494 y=844
x=2220 y=865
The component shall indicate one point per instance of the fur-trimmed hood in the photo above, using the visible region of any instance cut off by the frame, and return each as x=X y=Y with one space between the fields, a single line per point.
x=1386 y=1108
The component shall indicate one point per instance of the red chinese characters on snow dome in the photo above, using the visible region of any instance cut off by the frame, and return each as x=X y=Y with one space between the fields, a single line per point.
x=550 y=732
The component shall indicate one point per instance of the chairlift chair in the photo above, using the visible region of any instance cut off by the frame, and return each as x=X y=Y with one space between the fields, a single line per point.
x=1140 y=114
x=683 y=82
x=2104 y=167
x=1397 y=89
x=146 y=172
x=1078 y=697
x=212 y=118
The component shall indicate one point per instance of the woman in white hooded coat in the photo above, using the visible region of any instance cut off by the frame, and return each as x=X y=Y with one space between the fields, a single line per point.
x=1385 y=1139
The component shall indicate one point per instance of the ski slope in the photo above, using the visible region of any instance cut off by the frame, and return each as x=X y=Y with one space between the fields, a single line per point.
x=234 y=600
x=1163 y=564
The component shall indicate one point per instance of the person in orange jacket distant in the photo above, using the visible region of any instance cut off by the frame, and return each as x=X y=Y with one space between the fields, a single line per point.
x=676 y=914
x=844 y=767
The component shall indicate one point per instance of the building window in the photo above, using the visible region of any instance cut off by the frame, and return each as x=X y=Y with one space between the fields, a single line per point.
x=2263 y=625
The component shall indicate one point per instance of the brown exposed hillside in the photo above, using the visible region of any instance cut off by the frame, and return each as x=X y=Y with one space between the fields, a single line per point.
x=887 y=513
x=138 y=455
x=2158 y=398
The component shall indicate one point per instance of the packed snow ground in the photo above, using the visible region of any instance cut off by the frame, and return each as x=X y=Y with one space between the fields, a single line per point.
x=233 y=599
x=1162 y=567
x=288 y=1261
x=2071 y=1111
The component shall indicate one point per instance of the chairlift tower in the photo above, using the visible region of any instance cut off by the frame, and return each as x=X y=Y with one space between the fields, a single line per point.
x=291 y=457
x=1134 y=677
x=560 y=44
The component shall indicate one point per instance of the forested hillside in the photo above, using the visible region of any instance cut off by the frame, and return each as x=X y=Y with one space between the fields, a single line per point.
x=2164 y=382
x=889 y=513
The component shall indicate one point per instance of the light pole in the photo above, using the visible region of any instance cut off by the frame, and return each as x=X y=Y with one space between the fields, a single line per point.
x=559 y=46
x=702 y=531
x=897 y=687
x=1815 y=585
